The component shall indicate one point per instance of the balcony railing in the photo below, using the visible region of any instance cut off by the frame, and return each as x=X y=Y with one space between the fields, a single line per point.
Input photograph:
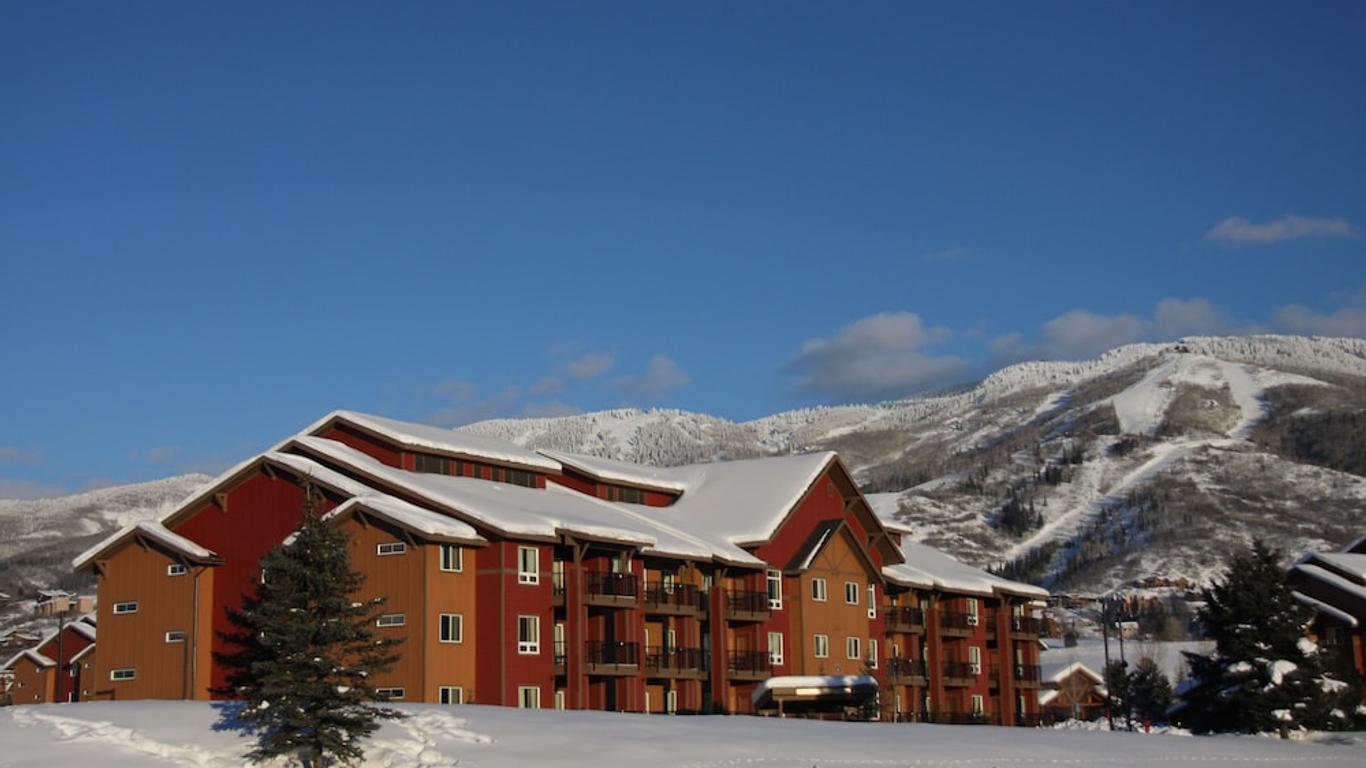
x=1028 y=719
x=903 y=618
x=659 y=660
x=672 y=598
x=610 y=656
x=749 y=663
x=1027 y=673
x=957 y=621
x=959 y=718
x=1025 y=625
x=561 y=654
x=899 y=668
x=960 y=670
x=615 y=585
x=747 y=605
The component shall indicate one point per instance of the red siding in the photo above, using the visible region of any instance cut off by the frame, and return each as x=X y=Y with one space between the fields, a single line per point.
x=261 y=512
x=370 y=446
x=72 y=644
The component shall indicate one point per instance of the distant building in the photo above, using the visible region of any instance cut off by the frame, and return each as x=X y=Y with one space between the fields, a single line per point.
x=1071 y=691
x=51 y=602
x=1334 y=585
x=55 y=670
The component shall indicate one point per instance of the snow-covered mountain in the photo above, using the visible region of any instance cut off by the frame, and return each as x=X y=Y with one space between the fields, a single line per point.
x=1152 y=459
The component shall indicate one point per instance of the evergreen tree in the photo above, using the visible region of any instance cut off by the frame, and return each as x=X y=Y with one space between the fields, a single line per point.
x=1263 y=675
x=306 y=651
x=1117 y=684
x=1150 y=693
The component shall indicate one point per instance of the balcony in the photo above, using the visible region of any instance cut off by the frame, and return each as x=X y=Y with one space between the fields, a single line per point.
x=611 y=657
x=960 y=672
x=672 y=599
x=957 y=624
x=905 y=671
x=904 y=619
x=1027 y=675
x=745 y=605
x=674 y=662
x=749 y=665
x=610 y=590
x=1025 y=627
x=959 y=718
x=560 y=657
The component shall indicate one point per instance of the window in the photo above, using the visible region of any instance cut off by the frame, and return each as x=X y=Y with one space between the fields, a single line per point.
x=528 y=697
x=671 y=702
x=872 y=601
x=977 y=705
x=452 y=628
x=670 y=639
x=128 y=607
x=452 y=558
x=975 y=660
x=392 y=694
x=559 y=699
x=176 y=569
x=528 y=565
x=628 y=495
x=516 y=477
x=853 y=648
x=127 y=673
x=775 y=589
x=175 y=636
x=872 y=653
x=851 y=591
x=436 y=465
x=451 y=694
x=821 y=646
x=818 y=590
x=391 y=620
x=391 y=548
x=529 y=635
x=972 y=611
x=775 y=648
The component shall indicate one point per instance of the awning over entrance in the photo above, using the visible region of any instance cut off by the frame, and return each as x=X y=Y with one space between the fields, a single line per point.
x=813 y=693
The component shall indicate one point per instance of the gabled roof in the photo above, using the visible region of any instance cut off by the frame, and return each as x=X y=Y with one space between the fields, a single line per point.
x=33 y=656
x=425 y=437
x=514 y=510
x=86 y=651
x=1356 y=547
x=429 y=524
x=946 y=573
x=151 y=531
x=742 y=502
x=820 y=538
x=611 y=471
x=1349 y=565
x=1319 y=606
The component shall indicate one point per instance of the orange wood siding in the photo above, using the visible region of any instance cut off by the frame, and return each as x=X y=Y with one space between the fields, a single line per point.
x=137 y=572
x=449 y=664
x=32 y=684
x=399 y=579
x=837 y=563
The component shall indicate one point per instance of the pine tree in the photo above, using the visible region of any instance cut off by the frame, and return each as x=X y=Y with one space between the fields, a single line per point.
x=1150 y=693
x=307 y=651
x=1263 y=674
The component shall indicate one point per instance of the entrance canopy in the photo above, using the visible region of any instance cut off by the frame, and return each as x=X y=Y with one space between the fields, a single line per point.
x=814 y=693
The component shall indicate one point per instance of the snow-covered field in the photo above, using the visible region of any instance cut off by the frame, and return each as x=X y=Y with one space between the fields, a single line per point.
x=119 y=735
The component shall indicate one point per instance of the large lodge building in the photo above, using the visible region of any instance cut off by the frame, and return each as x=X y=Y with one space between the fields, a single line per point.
x=546 y=579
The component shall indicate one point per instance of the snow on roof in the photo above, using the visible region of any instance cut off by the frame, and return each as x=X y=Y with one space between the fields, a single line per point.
x=152 y=530
x=425 y=436
x=1358 y=546
x=1332 y=579
x=53 y=594
x=1322 y=607
x=1090 y=651
x=411 y=516
x=1347 y=564
x=540 y=512
x=885 y=506
x=1056 y=670
x=949 y=574
x=32 y=655
x=614 y=471
x=83 y=629
x=821 y=683
x=86 y=651
x=741 y=502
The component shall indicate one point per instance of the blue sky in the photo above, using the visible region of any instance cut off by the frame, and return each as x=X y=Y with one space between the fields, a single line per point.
x=218 y=223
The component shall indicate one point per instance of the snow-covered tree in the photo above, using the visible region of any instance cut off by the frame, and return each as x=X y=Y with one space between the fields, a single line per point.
x=1150 y=693
x=1263 y=674
x=306 y=651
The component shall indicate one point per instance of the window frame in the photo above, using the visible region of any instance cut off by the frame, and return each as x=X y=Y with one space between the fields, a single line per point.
x=392 y=693
x=975 y=659
x=530 y=647
x=459 y=558
x=393 y=547
x=851 y=593
x=455 y=619
x=523 y=690
x=775 y=658
x=774 y=582
x=853 y=648
x=819 y=590
x=820 y=646
x=872 y=653
x=872 y=601
x=443 y=691
x=121 y=609
x=115 y=676
x=181 y=639
x=524 y=576
x=177 y=569
x=974 y=615
x=387 y=620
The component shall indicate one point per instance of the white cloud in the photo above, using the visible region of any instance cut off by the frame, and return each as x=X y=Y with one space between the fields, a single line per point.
x=1237 y=230
x=877 y=357
x=661 y=374
x=589 y=366
x=1082 y=334
x=549 y=410
x=1193 y=317
x=1297 y=318
x=10 y=454
x=464 y=408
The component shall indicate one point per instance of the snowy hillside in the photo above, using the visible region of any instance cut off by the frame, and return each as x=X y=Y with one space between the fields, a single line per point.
x=1152 y=459
x=38 y=537
x=152 y=733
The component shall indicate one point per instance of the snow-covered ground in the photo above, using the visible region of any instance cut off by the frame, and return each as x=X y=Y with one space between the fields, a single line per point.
x=126 y=734
x=1091 y=652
